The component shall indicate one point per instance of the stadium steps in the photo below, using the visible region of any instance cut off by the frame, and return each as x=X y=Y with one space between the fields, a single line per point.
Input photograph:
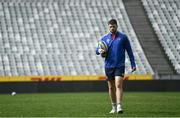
x=147 y=37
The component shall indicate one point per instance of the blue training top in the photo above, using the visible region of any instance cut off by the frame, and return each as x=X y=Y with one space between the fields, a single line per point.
x=116 y=50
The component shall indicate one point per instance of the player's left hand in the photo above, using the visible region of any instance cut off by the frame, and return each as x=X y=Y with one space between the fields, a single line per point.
x=133 y=69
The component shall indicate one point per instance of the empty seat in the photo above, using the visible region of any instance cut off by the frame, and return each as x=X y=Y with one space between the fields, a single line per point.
x=165 y=20
x=59 y=37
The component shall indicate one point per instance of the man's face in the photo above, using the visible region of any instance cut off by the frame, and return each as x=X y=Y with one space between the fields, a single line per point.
x=112 y=28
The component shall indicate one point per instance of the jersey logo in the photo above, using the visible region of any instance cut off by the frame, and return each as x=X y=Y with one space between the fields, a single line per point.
x=119 y=39
x=108 y=40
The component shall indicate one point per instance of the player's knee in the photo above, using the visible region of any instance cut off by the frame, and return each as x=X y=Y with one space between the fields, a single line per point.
x=118 y=86
x=111 y=88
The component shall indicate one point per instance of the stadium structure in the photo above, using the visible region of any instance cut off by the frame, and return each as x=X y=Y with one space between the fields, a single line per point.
x=51 y=43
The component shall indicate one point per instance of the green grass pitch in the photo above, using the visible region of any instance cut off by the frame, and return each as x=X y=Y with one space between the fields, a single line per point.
x=92 y=104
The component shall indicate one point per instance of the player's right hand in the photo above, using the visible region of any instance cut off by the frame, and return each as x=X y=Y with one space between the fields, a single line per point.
x=101 y=51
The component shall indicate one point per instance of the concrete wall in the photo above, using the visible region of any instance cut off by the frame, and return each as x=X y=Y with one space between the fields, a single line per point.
x=88 y=86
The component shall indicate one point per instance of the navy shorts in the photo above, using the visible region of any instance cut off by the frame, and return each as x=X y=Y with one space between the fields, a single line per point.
x=112 y=72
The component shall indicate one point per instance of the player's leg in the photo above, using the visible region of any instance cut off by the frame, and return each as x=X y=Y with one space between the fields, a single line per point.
x=119 y=92
x=119 y=74
x=112 y=95
x=111 y=87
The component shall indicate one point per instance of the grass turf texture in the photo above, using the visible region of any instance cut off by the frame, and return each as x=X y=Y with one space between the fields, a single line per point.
x=138 y=104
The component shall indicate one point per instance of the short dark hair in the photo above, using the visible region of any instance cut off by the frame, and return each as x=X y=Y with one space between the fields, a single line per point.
x=112 y=21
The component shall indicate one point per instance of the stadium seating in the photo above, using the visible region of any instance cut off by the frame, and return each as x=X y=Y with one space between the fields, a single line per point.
x=165 y=18
x=59 y=37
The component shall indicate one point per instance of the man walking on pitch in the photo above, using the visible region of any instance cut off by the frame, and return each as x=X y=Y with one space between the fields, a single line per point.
x=117 y=43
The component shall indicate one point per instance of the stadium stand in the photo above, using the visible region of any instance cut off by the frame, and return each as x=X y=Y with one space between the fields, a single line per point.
x=165 y=18
x=148 y=38
x=59 y=37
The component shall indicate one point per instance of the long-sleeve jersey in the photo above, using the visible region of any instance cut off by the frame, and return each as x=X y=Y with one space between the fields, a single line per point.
x=116 y=50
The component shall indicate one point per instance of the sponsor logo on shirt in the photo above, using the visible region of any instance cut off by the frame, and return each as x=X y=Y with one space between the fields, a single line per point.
x=108 y=40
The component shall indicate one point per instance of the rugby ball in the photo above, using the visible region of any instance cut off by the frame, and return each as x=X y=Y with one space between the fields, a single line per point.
x=102 y=45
